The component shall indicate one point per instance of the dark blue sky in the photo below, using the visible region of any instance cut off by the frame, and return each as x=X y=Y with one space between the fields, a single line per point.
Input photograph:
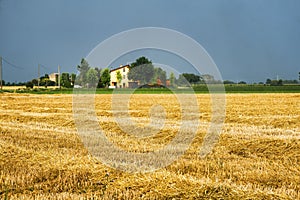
x=248 y=40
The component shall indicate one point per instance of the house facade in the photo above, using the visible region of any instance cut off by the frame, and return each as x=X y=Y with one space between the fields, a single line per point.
x=119 y=77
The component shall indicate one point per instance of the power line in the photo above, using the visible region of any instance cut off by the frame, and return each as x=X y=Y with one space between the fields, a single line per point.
x=19 y=67
x=11 y=64
x=43 y=66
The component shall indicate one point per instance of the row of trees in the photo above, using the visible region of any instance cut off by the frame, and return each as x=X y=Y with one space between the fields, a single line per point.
x=92 y=77
x=88 y=77
x=142 y=71
x=42 y=81
x=13 y=83
x=66 y=80
x=280 y=82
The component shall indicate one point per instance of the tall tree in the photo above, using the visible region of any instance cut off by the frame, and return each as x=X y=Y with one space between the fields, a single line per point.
x=172 y=79
x=105 y=77
x=65 y=80
x=140 y=61
x=83 y=68
x=141 y=70
x=92 y=77
x=98 y=71
x=99 y=85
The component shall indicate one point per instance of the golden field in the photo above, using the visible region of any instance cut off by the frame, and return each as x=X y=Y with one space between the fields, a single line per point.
x=257 y=156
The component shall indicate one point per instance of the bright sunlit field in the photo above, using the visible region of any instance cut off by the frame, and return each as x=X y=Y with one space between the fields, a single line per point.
x=257 y=156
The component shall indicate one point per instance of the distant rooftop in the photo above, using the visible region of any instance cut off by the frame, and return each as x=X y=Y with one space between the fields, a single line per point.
x=121 y=66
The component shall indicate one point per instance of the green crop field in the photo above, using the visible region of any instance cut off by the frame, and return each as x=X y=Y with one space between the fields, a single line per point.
x=196 y=88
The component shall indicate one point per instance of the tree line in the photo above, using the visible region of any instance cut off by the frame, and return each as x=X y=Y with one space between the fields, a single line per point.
x=92 y=77
x=88 y=77
x=141 y=71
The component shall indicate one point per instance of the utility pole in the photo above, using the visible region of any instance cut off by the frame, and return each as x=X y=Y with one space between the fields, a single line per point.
x=58 y=76
x=39 y=75
x=1 y=72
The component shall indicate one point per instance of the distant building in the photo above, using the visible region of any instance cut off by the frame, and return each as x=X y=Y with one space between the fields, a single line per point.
x=124 y=82
x=53 y=77
x=168 y=83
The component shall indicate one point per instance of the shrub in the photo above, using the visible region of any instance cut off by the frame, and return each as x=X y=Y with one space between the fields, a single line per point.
x=29 y=84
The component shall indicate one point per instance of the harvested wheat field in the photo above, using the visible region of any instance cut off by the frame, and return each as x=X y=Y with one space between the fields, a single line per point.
x=257 y=156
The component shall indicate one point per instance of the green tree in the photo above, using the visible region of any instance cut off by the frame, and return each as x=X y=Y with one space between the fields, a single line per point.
x=141 y=70
x=99 y=85
x=83 y=68
x=45 y=82
x=172 y=79
x=160 y=74
x=65 y=80
x=105 y=77
x=29 y=84
x=73 y=78
x=34 y=81
x=182 y=81
x=98 y=71
x=242 y=82
x=276 y=83
x=289 y=81
x=140 y=61
x=268 y=81
x=92 y=77
x=56 y=79
x=191 y=78
x=119 y=77
x=228 y=82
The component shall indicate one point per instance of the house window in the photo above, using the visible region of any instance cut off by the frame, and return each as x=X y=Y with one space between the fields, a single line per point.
x=123 y=69
x=124 y=76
